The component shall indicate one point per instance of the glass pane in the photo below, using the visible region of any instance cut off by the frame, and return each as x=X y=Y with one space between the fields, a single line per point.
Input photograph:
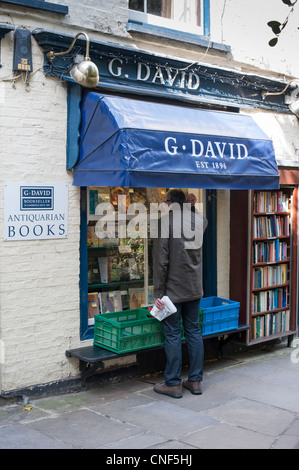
x=120 y=259
x=183 y=15
x=159 y=8
x=187 y=11
x=198 y=12
x=120 y=271
x=136 y=5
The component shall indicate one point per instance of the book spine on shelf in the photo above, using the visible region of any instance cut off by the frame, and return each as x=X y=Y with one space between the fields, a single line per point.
x=270 y=324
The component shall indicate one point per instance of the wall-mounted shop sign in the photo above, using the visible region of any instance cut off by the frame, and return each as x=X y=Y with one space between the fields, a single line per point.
x=34 y=211
x=182 y=78
x=133 y=70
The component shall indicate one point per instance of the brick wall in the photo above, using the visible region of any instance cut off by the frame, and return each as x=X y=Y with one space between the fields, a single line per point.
x=39 y=294
x=39 y=280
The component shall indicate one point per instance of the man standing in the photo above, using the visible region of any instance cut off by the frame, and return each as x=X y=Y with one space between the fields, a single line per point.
x=177 y=274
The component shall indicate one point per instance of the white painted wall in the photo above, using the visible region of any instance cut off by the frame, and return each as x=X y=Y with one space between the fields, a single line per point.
x=242 y=24
x=39 y=294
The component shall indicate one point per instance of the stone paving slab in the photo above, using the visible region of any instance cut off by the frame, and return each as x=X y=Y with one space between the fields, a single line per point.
x=249 y=414
x=164 y=418
x=278 y=395
x=227 y=436
x=20 y=437
x=84 y=429
x=293 y=430
x=286 y=442
x=144 y=440
x=286 y=378
x=249 y=401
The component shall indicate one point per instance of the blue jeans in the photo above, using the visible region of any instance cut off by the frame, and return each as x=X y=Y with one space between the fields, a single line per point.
x=189 y=311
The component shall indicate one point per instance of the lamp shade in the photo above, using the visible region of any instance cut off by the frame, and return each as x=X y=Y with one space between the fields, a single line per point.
x=85 y=73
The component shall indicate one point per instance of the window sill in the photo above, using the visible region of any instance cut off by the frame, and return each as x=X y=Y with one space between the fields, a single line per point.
x=40 y=5
x=167 y=33
x=287 y=163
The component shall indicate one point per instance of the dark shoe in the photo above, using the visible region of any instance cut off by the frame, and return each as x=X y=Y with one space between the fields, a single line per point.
x=174 y=391
x=193 y=387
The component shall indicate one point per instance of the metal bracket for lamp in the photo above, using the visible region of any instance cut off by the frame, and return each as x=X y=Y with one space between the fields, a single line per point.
x=86 y=72
x=294 y=106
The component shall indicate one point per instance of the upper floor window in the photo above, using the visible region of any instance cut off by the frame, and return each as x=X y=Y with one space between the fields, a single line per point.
x=182 y=15
x=40 y=5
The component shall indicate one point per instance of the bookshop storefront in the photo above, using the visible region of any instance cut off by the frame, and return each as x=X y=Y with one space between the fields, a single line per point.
x=131 y=152
x=151 y=125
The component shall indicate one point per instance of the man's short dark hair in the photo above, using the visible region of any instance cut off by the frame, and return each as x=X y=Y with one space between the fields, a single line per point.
x=176 y=195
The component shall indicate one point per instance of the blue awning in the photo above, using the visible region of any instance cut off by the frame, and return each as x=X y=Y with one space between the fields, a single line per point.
x=135 y=143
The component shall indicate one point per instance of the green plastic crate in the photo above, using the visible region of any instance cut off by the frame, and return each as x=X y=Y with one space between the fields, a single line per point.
x=201 y=315
x=126 y=331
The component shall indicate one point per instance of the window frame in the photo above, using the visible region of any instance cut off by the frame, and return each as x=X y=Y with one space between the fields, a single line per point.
x=150 y=20
x=39 y=5
x=209 y=246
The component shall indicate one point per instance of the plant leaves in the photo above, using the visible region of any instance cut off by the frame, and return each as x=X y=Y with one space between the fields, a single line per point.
x=273 y=42
x=275 y=26
x=288 y=2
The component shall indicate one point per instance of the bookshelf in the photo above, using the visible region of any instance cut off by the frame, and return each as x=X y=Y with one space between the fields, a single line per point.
x=266 y=261
x=270 y=261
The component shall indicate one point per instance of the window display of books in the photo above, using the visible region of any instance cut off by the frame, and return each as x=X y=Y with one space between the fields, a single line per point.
x=116 y=266
x=116 y=301
x=98 y=195
x=110 y=301
x=119 y=267
x=93 y=306
x=93 y=271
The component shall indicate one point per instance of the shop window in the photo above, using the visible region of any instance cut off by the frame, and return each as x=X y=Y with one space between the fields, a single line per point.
x=187 y=16
x=118 y=265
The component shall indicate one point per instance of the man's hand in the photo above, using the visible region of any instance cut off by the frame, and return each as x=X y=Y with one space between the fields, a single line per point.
x=191 y=198
x=159 y=304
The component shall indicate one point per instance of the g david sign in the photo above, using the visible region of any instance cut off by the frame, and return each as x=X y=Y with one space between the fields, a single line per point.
x=34 y=211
